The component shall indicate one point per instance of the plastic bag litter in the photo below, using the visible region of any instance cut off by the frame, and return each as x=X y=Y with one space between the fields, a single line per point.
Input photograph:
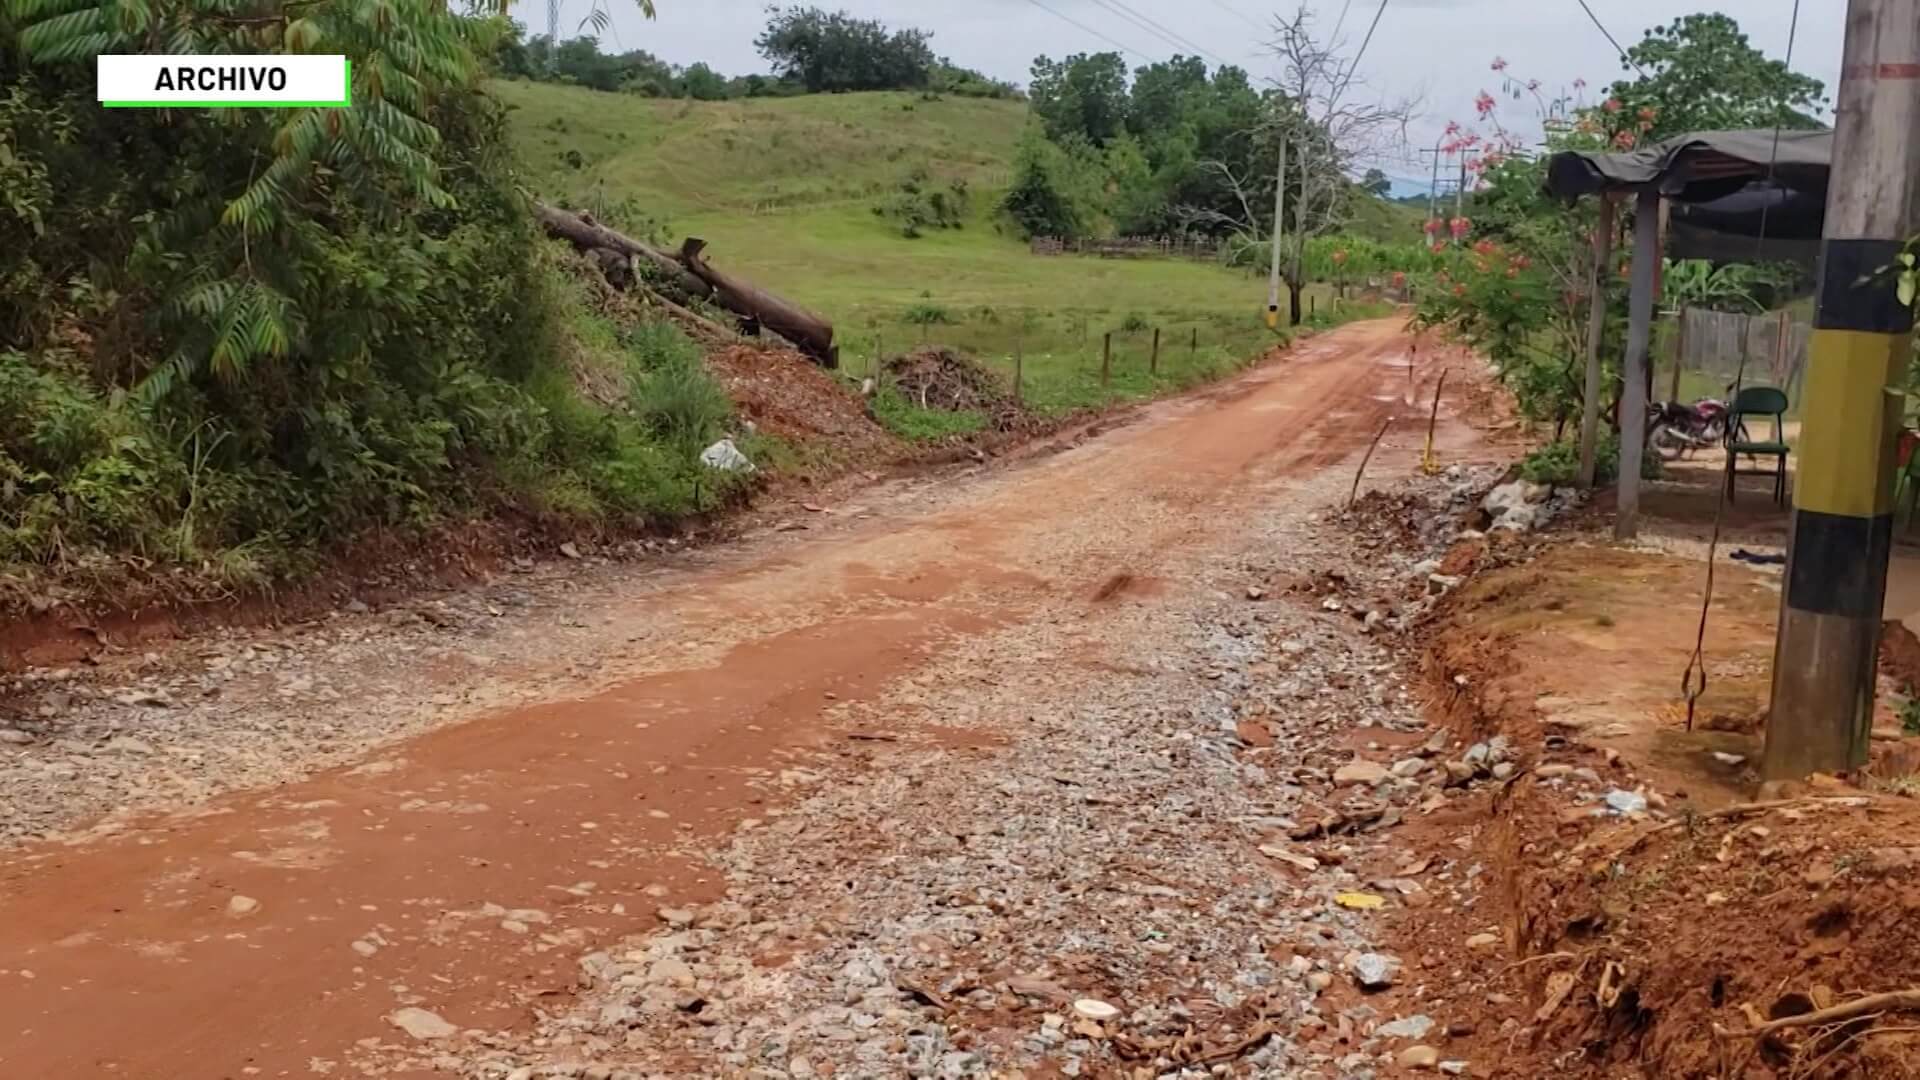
x=724 y=455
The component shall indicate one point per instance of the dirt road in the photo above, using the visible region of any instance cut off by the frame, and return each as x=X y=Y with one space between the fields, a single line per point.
x=792 y=701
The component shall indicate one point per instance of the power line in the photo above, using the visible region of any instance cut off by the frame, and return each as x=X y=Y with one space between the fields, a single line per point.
x=1238 y=14
x=1354 y=68
x=1340 y=22
x=1610 y=40
x=1076 y=22
x=1156 y=29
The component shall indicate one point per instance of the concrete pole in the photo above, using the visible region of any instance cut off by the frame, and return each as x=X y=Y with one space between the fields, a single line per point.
x=1596 y=331
x=1633 y=372
x=1824 y=660
x=1279 y=219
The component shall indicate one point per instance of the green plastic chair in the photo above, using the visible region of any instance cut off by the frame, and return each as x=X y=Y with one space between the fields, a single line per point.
x=1758 y=401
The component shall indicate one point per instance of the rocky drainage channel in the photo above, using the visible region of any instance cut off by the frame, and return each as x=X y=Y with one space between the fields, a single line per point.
x=1173 y=857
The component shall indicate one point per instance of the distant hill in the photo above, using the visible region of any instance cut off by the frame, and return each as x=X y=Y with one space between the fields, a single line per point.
x=693 y=162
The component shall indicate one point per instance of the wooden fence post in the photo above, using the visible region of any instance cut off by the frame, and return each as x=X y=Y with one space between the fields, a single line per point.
x=1019 y=366
x=1106 y=360
x=1153 y=363
x=1193 y=350
x=1679 y=353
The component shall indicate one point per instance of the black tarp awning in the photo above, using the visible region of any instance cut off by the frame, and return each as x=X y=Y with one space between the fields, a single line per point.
x=1718 y=182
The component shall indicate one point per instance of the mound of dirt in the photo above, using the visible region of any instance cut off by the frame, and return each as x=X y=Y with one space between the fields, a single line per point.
x=1644 y=918
x=788 y=395
x=935 y=378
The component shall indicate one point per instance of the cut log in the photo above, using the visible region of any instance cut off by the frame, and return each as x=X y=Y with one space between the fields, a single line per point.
x=811 y=333
x=588 y=235
x=690 y=273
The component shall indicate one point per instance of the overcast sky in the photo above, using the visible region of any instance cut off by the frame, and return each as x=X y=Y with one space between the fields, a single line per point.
x=1436 y=50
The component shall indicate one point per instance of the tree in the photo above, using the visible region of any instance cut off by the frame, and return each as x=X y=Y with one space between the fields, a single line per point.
x=835 y=52
x=1041 y=200
x=702 y=83
x=1085 y=95
x=1702 y=74
x=1376 y=183
x=1326 y=133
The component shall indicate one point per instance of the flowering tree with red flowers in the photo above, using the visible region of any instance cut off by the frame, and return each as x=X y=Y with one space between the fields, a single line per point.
x=1520 y=296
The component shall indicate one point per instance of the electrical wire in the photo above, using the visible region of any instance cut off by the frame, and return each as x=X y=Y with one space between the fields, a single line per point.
x=1083 y=26
x=1610 y=40
x=1341 y=21
x=1693 y=682
x=1238 y=14
x=1354 y=68
x=1156 y=29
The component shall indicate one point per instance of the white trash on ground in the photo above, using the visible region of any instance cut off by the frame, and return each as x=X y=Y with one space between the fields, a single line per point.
x=725 y=455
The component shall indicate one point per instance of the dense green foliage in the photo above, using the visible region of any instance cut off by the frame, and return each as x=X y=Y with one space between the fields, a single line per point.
x=1173 y=148
x=1702 y=74
x=833 y=52
x=579 y=62
x=920 y=202
x=231 y=337
x=811 y=51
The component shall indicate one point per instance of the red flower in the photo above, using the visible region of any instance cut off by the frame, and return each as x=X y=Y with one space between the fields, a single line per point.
x=1484 y=247
x=1459 y=226
x=1459 y=290
x=1480 y=265
x=1437 y=247
x=1484 y=103
x=1340 y=257
x=1399 y=279
x=1647 y=113
x=1499 y=64
x=1625 y=140
x=1433 y=225
x=1513 y=271
x=1522 y=261
x=1612 y=105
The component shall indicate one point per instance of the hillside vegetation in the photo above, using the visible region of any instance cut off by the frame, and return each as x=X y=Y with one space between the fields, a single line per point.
x=785 y=190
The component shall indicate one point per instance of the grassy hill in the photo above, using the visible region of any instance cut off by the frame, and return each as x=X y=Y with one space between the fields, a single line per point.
x=784 y=189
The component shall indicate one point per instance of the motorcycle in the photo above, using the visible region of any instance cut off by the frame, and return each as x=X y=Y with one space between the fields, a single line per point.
x=1676 y=429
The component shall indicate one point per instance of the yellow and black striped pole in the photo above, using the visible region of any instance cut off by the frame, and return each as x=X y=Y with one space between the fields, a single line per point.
x=1825 y=655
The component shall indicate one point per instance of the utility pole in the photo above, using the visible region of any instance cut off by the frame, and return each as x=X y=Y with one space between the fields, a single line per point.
x=553 y=35
x=1433 y=188
x=1824 y=660
x=1460 y=193
x=1279 y=218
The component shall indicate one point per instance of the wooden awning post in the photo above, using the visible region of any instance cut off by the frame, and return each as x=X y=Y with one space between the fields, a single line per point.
x=1633 y=373
x=1596 y=330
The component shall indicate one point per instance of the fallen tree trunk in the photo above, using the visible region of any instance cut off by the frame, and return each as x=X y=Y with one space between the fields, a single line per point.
x=589 y=235
x=813 y=334
x=691 y=273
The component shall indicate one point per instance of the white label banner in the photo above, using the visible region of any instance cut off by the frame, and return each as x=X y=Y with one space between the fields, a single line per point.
x=233 y=81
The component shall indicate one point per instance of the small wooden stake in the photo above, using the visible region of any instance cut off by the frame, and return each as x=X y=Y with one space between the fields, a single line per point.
x=1362 y=470
x=1193 y=350
x=1106 y=360
x=1153 y=363
x=1427 y=463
